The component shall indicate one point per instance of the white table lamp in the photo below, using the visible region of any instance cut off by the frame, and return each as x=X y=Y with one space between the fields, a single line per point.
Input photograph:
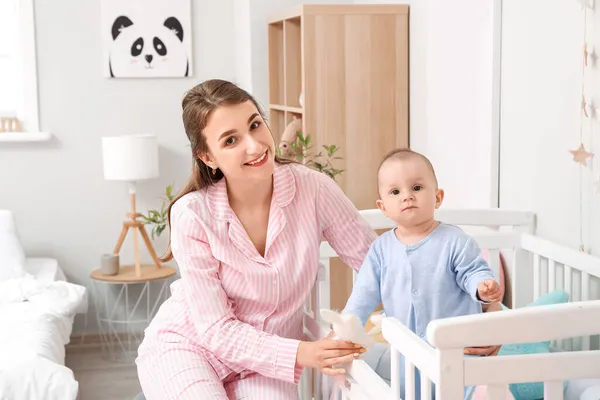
x=131 y=159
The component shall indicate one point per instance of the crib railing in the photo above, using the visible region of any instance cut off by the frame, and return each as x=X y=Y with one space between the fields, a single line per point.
x=541 y=261
x=445 y=365
x=493 y=219
x=504 y=222
x=558 y=267
x=453 y=371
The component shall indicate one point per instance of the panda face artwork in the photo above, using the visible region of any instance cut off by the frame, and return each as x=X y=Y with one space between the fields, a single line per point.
x=146 y=50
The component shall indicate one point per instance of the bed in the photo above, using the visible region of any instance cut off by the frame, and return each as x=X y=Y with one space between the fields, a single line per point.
x=548 y=332
x=37 y=309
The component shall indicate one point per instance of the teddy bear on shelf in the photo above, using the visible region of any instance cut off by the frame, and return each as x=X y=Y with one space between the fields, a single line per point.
x=289 y=136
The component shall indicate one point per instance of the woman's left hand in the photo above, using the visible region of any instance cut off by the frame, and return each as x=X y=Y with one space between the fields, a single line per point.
x=482 y=351
x=485 y=350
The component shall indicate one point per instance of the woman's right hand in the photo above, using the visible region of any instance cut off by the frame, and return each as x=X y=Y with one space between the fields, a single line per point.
x=324 y=354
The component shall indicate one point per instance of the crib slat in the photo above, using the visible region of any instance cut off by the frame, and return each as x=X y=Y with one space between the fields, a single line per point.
x=567 y=286
x=551 y=275
x=451 y=375
x=323 y=299
x=317 y=382
x=311 y=300
x=496 y=392
x=553 y=390
x=567 y=344
x=537 y=278
x=304 y=386
x=494 y=261
x=425 y=388
x=409 y=380
x=395 y=372
x=552 y=285
x=585 y=286
x=585 y=296
x=328 y=389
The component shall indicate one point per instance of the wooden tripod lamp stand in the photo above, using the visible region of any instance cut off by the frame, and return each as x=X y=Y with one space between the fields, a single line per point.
x=132 y=158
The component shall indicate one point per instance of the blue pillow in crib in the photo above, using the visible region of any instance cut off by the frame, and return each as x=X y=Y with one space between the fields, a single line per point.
x=532 y=390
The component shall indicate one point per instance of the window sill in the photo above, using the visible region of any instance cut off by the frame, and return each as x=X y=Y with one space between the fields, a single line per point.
x=25 y=136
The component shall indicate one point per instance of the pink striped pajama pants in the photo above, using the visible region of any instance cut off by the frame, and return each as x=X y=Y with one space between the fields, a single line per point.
x=179 y=371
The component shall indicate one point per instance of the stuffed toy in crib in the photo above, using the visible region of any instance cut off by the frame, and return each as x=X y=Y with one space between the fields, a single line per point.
x=349 y=327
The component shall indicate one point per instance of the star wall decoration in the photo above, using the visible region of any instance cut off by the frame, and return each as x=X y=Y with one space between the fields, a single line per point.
x=580 y=155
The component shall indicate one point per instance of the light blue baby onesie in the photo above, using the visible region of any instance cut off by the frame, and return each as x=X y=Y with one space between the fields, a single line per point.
x=418 y=283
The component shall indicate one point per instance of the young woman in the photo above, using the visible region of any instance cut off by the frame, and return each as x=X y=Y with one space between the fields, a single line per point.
x=245 y=234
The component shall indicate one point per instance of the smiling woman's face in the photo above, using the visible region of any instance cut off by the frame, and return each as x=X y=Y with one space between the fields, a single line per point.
x=239 y=142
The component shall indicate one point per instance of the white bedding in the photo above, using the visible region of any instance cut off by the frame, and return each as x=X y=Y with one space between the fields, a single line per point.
x=36 y=322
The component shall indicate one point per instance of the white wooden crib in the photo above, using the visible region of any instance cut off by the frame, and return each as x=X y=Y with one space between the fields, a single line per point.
x=537 y=266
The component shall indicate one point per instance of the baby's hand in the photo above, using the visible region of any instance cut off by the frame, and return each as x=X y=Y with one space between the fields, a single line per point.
x=489 y=291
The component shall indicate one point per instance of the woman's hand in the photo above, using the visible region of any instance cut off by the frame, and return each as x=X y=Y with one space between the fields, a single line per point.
x=482 y=351
x=485 y=350
x=324 y=354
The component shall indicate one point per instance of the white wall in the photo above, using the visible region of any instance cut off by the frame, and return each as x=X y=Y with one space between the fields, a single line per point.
x=63 y=206
x=541 y=94
x=459 y=100
x=451 y=98
x=242 y=43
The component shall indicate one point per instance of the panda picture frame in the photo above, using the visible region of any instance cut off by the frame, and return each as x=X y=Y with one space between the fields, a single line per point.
x=147 y=38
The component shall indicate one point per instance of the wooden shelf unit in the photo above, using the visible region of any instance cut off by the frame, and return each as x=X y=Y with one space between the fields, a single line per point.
x=285 y=70
x=351 y=63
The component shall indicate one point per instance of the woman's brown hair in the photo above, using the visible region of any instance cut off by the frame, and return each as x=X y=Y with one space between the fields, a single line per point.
x=198 y=104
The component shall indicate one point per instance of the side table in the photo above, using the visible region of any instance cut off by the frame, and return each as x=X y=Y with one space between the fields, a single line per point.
x=124 y=302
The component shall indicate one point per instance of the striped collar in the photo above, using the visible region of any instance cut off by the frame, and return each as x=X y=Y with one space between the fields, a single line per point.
x=284 y=190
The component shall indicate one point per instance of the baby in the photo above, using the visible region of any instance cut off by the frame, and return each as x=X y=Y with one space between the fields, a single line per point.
x=423 y=269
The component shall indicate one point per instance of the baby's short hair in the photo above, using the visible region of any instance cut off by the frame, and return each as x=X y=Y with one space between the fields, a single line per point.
x=404 y=154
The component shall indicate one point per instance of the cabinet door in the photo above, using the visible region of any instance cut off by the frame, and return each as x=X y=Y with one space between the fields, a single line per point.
x=356 y=97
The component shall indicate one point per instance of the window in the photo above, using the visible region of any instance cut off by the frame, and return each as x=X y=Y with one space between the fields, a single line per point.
x=8 y=53
x=18 y=70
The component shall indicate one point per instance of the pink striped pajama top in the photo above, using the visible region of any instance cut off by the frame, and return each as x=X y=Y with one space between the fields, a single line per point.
x=243 y=309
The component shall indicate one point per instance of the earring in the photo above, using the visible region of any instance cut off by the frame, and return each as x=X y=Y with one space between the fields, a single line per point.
x=214 y=171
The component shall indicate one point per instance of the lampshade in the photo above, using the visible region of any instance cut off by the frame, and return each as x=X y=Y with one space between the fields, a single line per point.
x=130 y=158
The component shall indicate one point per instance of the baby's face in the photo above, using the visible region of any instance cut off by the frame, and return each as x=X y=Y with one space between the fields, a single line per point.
x=408 y=191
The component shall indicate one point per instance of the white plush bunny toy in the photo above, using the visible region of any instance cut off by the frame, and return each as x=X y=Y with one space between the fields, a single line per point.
x=349 y=327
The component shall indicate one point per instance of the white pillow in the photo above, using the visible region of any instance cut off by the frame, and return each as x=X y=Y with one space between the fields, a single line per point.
x=592 y=393
x=12 y=256
x=577 y=387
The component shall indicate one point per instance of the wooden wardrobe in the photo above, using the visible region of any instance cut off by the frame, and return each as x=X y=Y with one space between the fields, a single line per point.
x=351 y=64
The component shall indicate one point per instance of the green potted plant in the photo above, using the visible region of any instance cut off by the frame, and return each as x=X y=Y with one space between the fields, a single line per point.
x=159 y=218
x=321 y=161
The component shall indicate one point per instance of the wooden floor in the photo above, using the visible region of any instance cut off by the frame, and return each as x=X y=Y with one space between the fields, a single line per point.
x=100 y=379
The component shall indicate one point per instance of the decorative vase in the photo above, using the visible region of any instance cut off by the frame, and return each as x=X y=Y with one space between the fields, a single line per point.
x=109 y=264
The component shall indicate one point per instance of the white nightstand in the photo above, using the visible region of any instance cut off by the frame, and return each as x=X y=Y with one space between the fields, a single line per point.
x=125 y=305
